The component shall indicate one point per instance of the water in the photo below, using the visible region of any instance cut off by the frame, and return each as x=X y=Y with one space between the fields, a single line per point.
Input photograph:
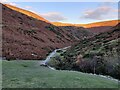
x=48 y=58
x=52 y=55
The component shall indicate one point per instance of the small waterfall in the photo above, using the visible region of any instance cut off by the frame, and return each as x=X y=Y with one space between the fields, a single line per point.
x=50 y=56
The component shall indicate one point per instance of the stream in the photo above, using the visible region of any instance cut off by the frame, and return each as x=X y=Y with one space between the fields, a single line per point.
x=44 y=63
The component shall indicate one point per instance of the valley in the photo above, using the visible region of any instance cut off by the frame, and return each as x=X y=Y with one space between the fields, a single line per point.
x=97 y=55
x=25 y=37
x=40 y=53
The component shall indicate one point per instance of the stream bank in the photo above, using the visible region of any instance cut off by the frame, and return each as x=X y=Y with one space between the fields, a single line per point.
x=52 y=54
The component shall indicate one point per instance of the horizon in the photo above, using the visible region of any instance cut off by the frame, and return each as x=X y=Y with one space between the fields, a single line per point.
x=81 y=13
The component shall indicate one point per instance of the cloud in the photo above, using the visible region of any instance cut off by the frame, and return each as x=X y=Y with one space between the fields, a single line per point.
x=28 y=7
x=7 y=2
x=53 y=16
x=99 y=13
x=13 y=4
x=116 y=10
x=3 y=1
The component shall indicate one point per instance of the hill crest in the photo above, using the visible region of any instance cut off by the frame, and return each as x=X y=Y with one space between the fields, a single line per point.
x=90 y=25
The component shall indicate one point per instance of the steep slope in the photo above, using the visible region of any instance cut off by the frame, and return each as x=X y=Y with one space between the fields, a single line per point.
x=26 y=12
x=98 y=54
x=100 y=29
x=27 y=37
x=78 y=32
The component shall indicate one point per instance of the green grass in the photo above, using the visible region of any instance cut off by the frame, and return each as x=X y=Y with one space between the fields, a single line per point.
x=29 y=74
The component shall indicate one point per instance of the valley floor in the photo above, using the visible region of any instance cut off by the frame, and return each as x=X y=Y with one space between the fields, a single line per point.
x=29 y=74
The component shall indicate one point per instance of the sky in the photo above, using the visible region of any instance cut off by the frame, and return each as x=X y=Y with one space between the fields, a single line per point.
x=72 y=12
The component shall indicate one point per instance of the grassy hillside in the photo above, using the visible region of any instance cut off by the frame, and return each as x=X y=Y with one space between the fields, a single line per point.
x=28 y=74
x=98 y=54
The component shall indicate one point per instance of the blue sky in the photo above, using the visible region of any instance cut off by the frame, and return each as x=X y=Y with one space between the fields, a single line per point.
x=72 y=12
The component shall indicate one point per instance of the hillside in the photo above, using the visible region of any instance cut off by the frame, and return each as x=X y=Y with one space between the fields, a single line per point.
x=100 y=27
x=103 y=23
x=29 y=75
x=78 y=32
x=90 y=25
x=98 y=54
x=26 y=37
x=26 y=12
x=62 y=24
x=96 y=27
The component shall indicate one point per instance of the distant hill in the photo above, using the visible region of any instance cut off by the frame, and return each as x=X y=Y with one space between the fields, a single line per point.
x=62 y=24
x=96 y=27
x=99 y=27
x=29 y=36
x=102 y=24
x=90 y=25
